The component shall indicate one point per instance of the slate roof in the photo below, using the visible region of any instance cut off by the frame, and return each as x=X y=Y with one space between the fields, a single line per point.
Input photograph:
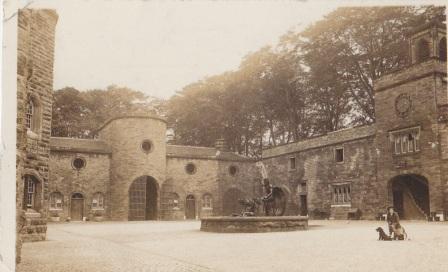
x=79 y=145
x=196 y=152
x=332 y=138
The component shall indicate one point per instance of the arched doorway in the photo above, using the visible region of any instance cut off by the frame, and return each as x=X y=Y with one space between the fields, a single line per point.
x=410 y=196
x=143 y=199
x=190 y=207
x=230 y=204
x=32 y=193
x=77 y=207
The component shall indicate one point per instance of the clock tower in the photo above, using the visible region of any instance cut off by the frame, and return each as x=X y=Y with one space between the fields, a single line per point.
x=412 y=134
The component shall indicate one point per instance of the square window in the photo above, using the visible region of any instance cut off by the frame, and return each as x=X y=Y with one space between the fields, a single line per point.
x=339 y=154
x=292 y=163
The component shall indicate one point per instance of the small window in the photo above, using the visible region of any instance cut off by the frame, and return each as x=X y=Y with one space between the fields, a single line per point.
x=147 y=146
x=423 y=50
x=292 y=163
x=233 y=170
x=56 y=201
x=339 y=154
x=442 y=49
x=30 y=190
x=32 y=114
x=79 y=163
x=173 y=201
x=190 y=168
x=29 y=114
x=207 y=201
x=98 y=201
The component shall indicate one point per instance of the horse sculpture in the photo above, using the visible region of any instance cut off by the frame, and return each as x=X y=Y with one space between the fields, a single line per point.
x=273 y=202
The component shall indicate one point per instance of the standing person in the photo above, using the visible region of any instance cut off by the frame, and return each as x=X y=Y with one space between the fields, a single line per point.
x=393 y=220
x=268 y=197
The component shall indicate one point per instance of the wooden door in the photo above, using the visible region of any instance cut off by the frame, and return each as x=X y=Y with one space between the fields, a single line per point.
x=190 y=207
x=303 y=205
x=77 y=209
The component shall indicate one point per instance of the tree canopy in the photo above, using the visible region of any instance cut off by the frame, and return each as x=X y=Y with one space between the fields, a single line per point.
x=311 y=82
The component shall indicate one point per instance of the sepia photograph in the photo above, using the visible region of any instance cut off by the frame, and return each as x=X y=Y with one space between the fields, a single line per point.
x=223 y=136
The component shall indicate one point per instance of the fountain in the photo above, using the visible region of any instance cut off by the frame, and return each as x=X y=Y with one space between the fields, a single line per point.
x=273 y=205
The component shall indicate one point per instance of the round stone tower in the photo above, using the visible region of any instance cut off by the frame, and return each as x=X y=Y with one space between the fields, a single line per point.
x=138 y=166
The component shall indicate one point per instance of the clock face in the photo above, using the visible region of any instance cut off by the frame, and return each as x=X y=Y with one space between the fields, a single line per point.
x=403 y=105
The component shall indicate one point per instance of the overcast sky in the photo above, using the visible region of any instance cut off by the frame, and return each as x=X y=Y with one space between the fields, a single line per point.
x=159 y=47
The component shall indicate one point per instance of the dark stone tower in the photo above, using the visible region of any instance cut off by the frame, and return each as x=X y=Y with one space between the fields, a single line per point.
x=35 y=57
x=411 y=137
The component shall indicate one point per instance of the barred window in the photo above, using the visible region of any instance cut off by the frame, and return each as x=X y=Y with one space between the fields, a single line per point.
x=342 y=194
x=56 y=201
x=207 y=201
x=98 y=201
x=406 y=141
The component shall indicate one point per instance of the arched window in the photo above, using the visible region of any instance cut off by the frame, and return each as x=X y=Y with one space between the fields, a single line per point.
x=207 y=201
x=56 y=201
x=29 y=114
x=98 y=201
x=423 y=50
x=442 y=49
x=173 y=201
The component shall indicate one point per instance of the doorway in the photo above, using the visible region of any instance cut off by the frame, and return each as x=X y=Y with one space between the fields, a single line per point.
x=190 y=207
x=410 y=196
x=143 y=199
x=77 y=207
x=303 y=205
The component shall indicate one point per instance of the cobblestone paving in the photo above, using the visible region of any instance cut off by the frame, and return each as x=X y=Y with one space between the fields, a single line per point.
x=180 y=246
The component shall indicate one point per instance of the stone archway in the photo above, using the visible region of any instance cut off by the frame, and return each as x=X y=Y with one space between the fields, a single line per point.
x=143 y=199
x=410 y=196
x=230 y=204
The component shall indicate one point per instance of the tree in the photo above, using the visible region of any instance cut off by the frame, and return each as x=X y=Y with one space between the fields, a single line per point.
x=78 y=114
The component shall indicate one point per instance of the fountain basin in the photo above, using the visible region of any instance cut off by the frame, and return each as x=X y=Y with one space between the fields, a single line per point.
x=235 y=224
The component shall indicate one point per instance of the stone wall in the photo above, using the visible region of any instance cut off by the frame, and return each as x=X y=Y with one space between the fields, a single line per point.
x=67 y=180
x=246 y=180
x=129 y=161
x=422 y=83
x=203 y=181
x=35 y=55
x=317 y=168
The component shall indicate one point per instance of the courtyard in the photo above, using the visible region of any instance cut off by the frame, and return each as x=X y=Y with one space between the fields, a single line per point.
x=179 y=246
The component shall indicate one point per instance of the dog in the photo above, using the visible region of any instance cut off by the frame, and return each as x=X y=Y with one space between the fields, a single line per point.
x=382 y=236
x=400 y=233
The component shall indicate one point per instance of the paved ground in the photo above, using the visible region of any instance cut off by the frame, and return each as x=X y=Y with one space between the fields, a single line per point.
x=180 y=246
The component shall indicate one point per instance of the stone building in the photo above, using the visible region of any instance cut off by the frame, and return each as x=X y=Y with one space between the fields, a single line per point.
x=401 y=160
x=35 y=55
x=130 y=172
